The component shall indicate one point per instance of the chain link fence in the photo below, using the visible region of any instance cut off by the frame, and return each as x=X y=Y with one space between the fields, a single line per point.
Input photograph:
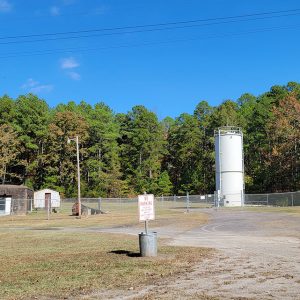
x=128 y=204
x=274 y=199
x=123 y=206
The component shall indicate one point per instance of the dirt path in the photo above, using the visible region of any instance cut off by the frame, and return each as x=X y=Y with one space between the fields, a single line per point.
x=258 y=257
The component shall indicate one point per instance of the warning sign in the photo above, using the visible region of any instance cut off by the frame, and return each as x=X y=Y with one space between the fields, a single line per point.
x=146 y=207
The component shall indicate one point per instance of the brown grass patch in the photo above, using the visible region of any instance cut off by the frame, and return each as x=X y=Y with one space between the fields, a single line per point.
x=128 y=217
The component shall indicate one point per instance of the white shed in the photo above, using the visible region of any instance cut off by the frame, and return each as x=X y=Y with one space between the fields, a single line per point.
x=42 y=198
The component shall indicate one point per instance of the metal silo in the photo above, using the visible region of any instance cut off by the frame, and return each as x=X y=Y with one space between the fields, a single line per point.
x=229 y=166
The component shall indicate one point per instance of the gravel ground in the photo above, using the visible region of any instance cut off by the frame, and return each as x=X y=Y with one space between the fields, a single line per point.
x=257 y=257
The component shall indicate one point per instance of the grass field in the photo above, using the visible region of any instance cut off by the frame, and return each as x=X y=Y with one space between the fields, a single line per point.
x=55 y=264
x=59 y=264
x=38 y=259
x=116 y=215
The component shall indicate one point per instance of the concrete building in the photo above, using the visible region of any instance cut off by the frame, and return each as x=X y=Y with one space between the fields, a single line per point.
x=15 y=199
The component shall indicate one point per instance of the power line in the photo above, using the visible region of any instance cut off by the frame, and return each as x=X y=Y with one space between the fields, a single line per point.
x=71 y=50
x=140 y=31
x=266 y=14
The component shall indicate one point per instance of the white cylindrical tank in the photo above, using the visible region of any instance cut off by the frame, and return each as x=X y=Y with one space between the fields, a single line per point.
x=229 y=165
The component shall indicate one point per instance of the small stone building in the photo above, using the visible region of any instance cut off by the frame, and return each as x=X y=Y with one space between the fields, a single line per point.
x=15 y=199
x=44 y=197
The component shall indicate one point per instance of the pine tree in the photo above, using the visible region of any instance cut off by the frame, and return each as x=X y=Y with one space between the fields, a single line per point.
x=142 y=148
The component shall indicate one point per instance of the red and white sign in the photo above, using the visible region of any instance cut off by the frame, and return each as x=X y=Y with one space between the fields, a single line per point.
x=146 y=207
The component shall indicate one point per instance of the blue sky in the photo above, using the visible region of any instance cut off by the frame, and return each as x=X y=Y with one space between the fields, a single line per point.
x=168 y=71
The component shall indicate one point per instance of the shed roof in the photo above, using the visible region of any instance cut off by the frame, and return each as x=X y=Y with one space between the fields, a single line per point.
x=46 y=190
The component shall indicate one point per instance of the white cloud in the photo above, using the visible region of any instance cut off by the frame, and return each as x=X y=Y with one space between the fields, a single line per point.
x=74 y=75
x=35 y=87
x=54 y=11
x=5 y=6
x=69 y=63
x=41 y=88
x=29 y=83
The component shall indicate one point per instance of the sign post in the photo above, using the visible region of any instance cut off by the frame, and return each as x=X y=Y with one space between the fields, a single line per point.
x=147 y=240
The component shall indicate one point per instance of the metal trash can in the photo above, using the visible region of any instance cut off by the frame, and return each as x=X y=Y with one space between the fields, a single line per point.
x=148 y=243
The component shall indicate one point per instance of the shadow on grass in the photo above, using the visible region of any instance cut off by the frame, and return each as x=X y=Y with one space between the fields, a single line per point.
x=126 y=252
x=45 y=228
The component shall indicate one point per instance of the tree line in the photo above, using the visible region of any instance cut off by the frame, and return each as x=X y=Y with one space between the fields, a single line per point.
x=127 y=154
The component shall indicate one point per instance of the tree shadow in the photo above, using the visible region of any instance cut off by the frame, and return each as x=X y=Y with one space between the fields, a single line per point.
x=126 y=252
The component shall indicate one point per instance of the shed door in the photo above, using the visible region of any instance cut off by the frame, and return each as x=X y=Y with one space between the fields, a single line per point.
x=47 y=200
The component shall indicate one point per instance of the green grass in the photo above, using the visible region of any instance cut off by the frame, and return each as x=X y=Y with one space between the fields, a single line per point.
x=276 y=209
x=59 y=264
x=286 y=209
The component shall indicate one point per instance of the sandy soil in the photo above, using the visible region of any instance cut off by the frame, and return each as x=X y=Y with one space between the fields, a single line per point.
x=257 y=257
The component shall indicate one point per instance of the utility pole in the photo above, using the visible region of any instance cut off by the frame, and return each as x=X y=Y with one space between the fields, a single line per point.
x=78 y=173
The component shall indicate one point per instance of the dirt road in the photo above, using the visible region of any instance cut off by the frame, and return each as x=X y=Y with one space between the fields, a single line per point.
x=258 y=257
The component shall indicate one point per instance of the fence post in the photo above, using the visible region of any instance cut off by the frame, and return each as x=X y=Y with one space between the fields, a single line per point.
x=99 y=203
x=187 y=202
x=216 y=199
x=292 y=199
x=12 y=208
x=242 y=198
x=267 y=199
x=48 y=210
